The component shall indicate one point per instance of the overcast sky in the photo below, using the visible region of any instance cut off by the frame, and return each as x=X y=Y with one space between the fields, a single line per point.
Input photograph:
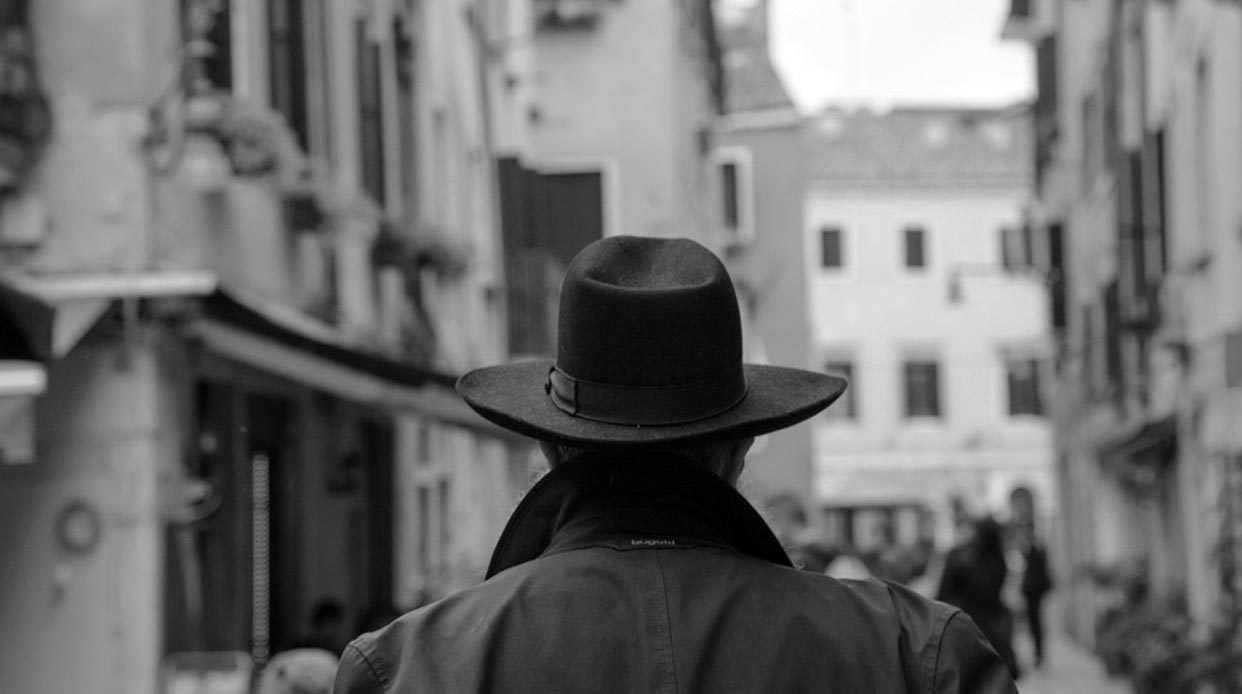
x=889 y=52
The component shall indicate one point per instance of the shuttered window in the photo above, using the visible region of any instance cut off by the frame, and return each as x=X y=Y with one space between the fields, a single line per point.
x=922 y=388
x=831 y=248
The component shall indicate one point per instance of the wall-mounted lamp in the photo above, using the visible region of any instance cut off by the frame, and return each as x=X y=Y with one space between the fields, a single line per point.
x=184 y=137
x=953 y=284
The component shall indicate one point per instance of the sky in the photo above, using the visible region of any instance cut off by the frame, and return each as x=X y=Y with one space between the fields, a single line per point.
x=882 y=53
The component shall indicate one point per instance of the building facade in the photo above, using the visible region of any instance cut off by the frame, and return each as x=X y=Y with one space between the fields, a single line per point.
x=245 y=249
x=759 y=177
x=1134 y=157
x=919 y=295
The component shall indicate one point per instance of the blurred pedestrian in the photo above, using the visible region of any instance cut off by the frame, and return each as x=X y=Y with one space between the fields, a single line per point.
x=299 y=671
x=1036 y=583
x=974 y=577
x=847 y=566
x=634 y=565
x=328 y=630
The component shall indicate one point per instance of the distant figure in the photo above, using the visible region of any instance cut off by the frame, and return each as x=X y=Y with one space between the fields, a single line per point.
x=848 y=567
x=1036 y=583
x=1036 y=578
x=299 y=671
x=974 y=576
x=327 y=627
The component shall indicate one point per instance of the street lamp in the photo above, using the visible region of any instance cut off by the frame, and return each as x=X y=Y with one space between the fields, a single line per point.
x=953 y=285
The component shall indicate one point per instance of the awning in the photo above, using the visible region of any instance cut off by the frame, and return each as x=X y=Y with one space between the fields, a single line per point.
x=43 y=316
x=273 y=338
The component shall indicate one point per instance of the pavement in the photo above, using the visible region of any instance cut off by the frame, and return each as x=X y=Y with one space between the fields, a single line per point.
x=1067 y=669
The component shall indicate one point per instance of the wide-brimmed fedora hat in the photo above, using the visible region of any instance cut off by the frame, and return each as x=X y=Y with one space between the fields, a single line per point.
x=649 y=352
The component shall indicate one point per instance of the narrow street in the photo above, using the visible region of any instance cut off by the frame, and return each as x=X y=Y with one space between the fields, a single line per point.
x=1068 y=667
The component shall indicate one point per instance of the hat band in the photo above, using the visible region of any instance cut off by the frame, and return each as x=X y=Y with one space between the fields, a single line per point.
x=646 y=405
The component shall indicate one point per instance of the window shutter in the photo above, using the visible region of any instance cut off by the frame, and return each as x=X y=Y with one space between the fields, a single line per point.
x=287 y=65
x=371 y=114
x=729 y=196
x=1025 y=397
x=916 y=247
x=830 y=248
x=922 y=382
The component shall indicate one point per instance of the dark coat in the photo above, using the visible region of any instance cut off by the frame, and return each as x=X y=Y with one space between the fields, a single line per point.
x=1036 y=578
x=655 y=576
x=974 y=581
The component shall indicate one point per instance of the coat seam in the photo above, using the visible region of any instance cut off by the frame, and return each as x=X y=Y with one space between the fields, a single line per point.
x=370 y=666
x=943 y=628
x=668 y=622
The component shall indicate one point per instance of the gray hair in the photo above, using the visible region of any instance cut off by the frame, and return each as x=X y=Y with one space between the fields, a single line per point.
x=714 y=456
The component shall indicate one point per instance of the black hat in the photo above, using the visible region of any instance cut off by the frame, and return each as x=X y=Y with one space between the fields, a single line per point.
x=649 y=351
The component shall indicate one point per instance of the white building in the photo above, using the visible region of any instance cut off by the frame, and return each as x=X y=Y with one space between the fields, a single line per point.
x=1139 y=108
x=912 y=218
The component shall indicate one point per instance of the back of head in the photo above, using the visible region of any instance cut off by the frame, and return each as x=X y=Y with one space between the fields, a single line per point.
x=989 y=537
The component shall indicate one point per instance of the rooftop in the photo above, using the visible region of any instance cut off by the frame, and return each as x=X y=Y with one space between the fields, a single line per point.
x=751 y=80
x=921 y=146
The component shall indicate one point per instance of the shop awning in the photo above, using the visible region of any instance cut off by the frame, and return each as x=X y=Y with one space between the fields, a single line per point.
x=43 y=316
x=273 y=338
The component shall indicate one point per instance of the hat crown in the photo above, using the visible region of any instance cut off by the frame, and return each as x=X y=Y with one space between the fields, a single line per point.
x=648 y=312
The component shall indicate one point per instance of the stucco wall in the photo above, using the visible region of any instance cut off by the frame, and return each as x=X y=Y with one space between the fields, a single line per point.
x=102 y=65
x=875 y=312
x=109 y=431
x=772 y=265
x=610 y=94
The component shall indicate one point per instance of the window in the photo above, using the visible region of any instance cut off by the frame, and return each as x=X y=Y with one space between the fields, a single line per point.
x=733 y=177
x=1022 y=378
x=403 y=43
x=831 y=248
x=297 y=65
x=217 y=67
x=569 y=211
x=916 y=247
x=846 y=407
x=1017 y=246
x=370 y=113
x=729 y=195
x=286 y=28
x=922 y=381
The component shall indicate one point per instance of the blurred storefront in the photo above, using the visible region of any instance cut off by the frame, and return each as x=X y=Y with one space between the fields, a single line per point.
x=237 y=281
x=1137 y=111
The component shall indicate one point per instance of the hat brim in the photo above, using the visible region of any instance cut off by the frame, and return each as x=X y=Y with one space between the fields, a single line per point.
x=513 y=396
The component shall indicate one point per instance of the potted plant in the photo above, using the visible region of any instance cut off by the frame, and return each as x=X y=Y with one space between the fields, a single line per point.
x=427 y=248
x=259 y=143
x=25 y=114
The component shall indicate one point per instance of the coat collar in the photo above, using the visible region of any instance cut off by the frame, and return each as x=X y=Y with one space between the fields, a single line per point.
x=638 y=495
